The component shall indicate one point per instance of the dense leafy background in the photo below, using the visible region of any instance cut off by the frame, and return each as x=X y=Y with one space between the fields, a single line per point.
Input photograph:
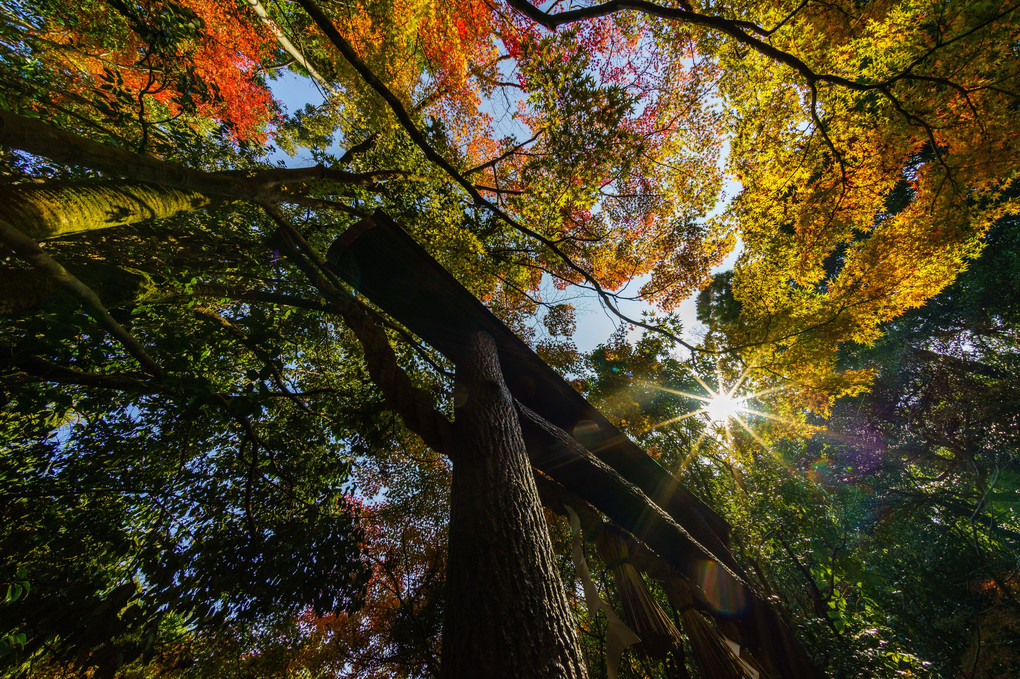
x=258 y=510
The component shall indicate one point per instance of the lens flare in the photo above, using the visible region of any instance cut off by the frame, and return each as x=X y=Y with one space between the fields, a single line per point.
x=722 y=592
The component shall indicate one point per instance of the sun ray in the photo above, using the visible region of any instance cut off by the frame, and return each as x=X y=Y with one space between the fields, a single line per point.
x=754 y=435
x=700 y=381
x=766 y=392
x=722 y=404
x=740 y=380
x=770 y=416
x=679 y=468
x=652 y=385
x=671 y=420
x=771 y=451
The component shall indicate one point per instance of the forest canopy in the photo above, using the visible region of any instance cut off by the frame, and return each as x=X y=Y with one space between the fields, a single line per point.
x=219 y=459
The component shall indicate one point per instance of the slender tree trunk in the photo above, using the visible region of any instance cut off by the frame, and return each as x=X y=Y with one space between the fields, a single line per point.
x=287 y=45
x=506 y=614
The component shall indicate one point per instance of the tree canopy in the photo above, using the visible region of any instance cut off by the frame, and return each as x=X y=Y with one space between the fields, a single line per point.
x=220 y=460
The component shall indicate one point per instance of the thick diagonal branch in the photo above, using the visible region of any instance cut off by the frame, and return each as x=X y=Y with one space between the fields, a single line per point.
x=29 y=250
x=39 y=138
x=413 y=406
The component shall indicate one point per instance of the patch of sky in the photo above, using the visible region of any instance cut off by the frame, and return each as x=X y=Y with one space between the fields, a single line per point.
x=294 y=92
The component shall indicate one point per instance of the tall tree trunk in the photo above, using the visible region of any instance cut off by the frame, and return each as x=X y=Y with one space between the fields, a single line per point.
x=506 y=611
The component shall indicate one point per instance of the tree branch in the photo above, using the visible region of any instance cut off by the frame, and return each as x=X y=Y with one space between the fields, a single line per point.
x=414 y=407
x=288 y=46
x=503 y=156
x=48 y=371
x=30 y=251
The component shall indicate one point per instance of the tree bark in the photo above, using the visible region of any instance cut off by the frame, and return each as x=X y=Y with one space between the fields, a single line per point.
x=38 y=138
x=260 y=186
x=43 y=211
x=507 y=614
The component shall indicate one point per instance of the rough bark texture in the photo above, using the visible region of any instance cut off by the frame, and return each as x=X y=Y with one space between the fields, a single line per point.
x=386 y=265
x=35 y=136
x=43 y=211
x=507 y=614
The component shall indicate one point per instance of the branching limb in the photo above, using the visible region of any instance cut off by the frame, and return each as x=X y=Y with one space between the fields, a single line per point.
x=36 y=137
x=320 y=204
x=414 y=407
x=739 y=31
x=30 y=251
x=288 y=46
x=358 y=148
x=43 y=370
x=789 y=17
x=284 y=177
x=246 y=295
x=503 y=156
x=256 y=350
x=250 y=295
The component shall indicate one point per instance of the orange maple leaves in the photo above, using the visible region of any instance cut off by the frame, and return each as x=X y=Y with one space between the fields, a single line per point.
x=196 y=55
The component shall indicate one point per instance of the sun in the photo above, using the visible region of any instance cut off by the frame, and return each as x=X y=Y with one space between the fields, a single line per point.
x=723 y=407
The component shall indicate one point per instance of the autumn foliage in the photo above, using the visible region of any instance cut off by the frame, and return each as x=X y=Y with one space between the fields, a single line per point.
x=857 y=153
x=156 y=62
